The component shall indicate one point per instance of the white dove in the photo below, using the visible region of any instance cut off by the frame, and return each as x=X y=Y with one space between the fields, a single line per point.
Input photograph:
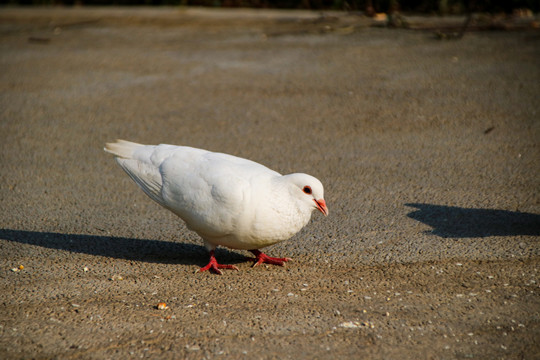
x=227 y=200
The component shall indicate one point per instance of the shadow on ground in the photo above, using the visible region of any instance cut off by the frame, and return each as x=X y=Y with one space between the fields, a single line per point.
x=121 y=248
x=457 y=222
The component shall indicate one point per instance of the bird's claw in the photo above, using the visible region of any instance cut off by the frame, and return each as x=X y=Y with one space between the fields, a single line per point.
x=262 y=258
x=214 y=266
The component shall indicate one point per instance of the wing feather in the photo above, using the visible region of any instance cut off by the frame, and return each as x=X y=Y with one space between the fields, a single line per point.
x=147 y=176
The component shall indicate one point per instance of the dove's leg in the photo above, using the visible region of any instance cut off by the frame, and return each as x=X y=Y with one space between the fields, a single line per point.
x=214 y=266
x=263 y=258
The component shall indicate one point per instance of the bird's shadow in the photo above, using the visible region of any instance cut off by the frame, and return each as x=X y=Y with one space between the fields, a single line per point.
x=458 y=222
x=154 y=251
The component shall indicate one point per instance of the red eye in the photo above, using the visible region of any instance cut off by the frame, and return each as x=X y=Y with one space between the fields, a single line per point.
x=307 y=190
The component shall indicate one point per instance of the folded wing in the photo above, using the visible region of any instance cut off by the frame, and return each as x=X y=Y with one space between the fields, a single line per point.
x=136 y=160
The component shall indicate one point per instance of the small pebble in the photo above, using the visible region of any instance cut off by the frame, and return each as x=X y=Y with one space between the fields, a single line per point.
x=193 y=347
x=162 y=306
x=350 y=324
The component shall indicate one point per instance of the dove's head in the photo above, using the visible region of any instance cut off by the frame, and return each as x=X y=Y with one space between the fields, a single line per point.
x=309 y=191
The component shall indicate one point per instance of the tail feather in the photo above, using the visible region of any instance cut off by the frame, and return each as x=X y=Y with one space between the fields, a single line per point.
x=122 y=148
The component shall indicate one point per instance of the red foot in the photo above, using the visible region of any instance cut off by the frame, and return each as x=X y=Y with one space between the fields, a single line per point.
x=263 y=258
x=214 y=266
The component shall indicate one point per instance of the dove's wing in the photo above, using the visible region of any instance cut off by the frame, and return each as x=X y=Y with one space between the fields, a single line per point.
x=213 y=193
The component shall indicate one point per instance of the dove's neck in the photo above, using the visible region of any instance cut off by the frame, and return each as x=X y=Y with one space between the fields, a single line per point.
x=293 y=213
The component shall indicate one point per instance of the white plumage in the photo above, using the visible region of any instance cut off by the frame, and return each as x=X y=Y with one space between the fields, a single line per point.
x=227 y=200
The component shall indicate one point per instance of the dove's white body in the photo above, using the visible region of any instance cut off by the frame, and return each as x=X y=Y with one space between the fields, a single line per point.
x=227 y=200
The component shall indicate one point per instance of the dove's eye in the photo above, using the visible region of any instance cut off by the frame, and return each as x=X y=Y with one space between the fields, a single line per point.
x=307 y=190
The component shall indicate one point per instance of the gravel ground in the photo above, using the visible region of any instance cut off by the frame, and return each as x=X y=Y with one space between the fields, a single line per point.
x=429 y=152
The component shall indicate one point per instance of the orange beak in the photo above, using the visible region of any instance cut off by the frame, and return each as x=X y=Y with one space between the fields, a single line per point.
x=321 y=205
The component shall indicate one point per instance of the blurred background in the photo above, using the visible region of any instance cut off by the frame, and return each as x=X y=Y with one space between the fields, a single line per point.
x=371 y=7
